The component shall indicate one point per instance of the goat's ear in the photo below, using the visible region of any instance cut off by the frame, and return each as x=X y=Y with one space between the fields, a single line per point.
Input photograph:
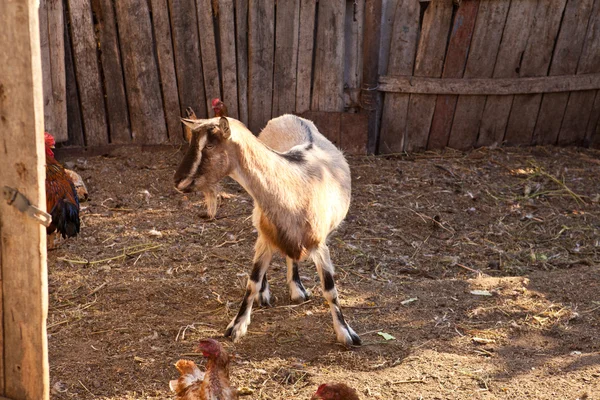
x=190 y=126
x=224 y=126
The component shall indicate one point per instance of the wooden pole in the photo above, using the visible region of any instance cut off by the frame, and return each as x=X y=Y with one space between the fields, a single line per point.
x=370 y=96
x=24 y=295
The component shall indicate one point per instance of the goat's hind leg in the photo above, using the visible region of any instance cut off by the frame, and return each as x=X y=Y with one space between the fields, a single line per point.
x=344 y=333
x=238 y=327
x=298 y=293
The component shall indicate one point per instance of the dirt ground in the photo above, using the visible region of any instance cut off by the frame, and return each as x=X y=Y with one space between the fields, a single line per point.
x=483 y=267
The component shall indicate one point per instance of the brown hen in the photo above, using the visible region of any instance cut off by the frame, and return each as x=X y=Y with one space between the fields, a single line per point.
x=213 y=384
x=335 y=391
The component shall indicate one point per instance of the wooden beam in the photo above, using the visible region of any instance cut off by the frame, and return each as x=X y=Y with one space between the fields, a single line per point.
x=502 y=86
x=24 y=286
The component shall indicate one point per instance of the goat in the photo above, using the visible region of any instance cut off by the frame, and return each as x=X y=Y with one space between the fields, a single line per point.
x=300 y=183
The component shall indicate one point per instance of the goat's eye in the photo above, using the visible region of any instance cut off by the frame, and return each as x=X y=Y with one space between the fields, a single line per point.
x=209 y=146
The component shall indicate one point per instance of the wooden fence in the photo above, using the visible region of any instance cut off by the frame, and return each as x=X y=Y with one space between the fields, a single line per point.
x=451 y=73
x=125 y=71
x=520 y=72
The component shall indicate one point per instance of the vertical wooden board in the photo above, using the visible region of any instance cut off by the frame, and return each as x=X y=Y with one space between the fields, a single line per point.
x=87 y=73
x=580 y=104
x=166 y=65
x=286 y=57
x=328 y=82
x=353 y=53
x=114 y=85
x=429 y=62
x=388 y=17
x=564 y=62
x=74 y=121
x=535 y=62
x=228 y=64
x=57 y=59
x=186 y=48
x=46 y=67
x=353 y=132
x=241 y=36
x=403 y=46
x=593 y=128
x=454 y=67
x=514 y=40
x=261 y=19
x=305 y=54
x=146 y=111
x=487 y=34
x=208 y=50
x=22 y=239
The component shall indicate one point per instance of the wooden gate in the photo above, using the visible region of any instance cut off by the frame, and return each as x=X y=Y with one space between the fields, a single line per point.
x=481 y=73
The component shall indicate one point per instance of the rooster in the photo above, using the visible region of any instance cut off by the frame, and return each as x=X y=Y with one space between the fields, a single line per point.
x=219 y=108
x=61 y=197
x=335 y=391
x=211 y=385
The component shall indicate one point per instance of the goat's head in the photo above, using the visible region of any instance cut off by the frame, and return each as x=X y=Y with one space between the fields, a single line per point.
x=207 y=160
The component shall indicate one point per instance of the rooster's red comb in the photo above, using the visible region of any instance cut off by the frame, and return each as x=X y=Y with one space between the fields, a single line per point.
x=215 y=102
x=48 y=139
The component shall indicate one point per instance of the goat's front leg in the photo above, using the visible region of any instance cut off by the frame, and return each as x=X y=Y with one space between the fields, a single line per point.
x=298 y=293
x=257 y=283
x=344 y=333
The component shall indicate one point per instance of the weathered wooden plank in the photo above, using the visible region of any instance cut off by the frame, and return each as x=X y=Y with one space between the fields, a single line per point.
x=497 y=87
x=114 y=85
x=592 y=136
x=23 y=268
x=388 y=17
x=87 y=72
x=454 y=67
x=228 y=63
x=260 y=62
x=353 y=53
x=166 y=65
x=535 y=62
x=286 y=57
x=146 y=111
x=491 y=18
x=57 y=59
x=564 y=62
x=186 y=47
x=508 y=62
x=209 y=52
x=305 y=54
x=74 y=119
x=328 y=81
x=241 y=36
x=429 y=62
x=403 y=45
x=46 y=66
x=353 y=132
x=580 y=104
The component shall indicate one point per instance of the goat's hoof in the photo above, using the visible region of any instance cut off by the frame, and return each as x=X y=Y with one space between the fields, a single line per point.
x=300 y=296
x=348 y=337
x=236 y=330
x=264 y=300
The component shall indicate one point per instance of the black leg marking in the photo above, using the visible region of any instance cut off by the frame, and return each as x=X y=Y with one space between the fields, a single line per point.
x=264 y=284
x=241 y=312
x=298 y=281
x=255 y=274
x=328 y=283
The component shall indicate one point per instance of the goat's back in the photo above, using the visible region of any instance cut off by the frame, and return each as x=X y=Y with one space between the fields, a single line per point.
x=284 y=132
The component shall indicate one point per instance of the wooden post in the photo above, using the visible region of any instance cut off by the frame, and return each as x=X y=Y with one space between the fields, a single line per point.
x=370 y=96
x=23 y=290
